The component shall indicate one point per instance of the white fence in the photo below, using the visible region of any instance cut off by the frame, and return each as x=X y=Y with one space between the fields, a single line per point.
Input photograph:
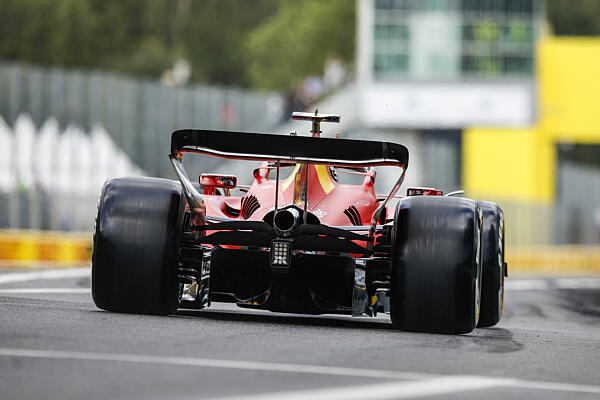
x=63 y=132
x=50 y=178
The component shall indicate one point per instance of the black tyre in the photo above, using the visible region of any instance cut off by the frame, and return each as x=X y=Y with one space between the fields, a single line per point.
x=492 y=264
x=435 y=265
x=136 y=246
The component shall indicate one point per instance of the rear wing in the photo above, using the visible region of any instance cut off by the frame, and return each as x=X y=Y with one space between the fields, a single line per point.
x=271 y=147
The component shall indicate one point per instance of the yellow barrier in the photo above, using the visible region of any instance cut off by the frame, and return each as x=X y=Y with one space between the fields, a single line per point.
x=554 y=260
x=39 y=249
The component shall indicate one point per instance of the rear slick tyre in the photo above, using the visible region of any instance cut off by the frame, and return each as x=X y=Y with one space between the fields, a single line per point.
x=492 y=264
x=136 y=246
x=435 y=265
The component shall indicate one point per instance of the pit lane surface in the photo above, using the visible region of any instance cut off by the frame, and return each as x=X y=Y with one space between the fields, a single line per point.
x=55 y=344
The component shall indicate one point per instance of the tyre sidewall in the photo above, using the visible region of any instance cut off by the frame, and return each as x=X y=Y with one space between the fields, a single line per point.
x=492 y=264
x=435 y=264
x=136 y=246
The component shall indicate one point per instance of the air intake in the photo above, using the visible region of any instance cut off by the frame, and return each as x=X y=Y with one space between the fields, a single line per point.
x=353 y=215
x=249 y=205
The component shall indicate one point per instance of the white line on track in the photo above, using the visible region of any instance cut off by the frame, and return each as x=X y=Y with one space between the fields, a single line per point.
x=553 y=283
x=425 y=385
x=576 y=283
x=511 y=284
x=46 y=291
x=392 y=390
x=514 y=284
x=526 y=284
x=43 y=275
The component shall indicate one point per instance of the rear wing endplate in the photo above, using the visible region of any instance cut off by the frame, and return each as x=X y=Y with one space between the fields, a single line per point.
x=272 y=147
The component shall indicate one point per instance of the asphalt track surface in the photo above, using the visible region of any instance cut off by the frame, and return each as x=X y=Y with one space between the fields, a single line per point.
x=55 y=344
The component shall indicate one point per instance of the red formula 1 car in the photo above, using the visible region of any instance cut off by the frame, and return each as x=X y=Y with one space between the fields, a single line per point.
x=303 y=243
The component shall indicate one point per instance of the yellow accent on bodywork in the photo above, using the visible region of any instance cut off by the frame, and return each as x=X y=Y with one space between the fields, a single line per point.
x=288 y=181
x=324 y=178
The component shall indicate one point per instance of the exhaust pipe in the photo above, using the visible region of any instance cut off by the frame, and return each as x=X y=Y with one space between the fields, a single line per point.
x=287 y=219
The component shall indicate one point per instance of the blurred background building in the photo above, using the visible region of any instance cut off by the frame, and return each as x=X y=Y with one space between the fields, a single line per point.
x=432 y=69
x=482 y=92
x=491 y=102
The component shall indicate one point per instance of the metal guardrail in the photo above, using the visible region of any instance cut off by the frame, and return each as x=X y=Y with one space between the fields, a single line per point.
x=139 y=114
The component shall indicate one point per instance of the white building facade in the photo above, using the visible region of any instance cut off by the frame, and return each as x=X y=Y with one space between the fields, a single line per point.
x=426 y=69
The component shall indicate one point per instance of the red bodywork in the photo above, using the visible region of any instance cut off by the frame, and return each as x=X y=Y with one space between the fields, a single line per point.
x=333 y=203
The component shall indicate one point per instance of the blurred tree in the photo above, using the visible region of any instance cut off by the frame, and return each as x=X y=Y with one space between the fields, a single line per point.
x=259 y=43
x=131 y=36
x=134 y=36
x=297 y=41
x=214 y=38
x=143 y=37
x=574 y=17
x=25 y=26
x=263 y=43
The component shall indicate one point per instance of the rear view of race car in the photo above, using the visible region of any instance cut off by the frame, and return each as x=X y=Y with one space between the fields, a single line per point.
x=300 y=243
